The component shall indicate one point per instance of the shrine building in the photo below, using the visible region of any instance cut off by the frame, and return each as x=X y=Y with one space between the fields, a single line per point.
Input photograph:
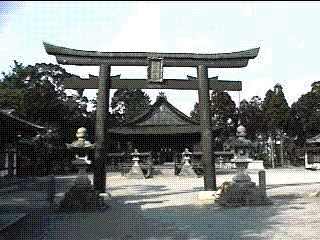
x=162 y=130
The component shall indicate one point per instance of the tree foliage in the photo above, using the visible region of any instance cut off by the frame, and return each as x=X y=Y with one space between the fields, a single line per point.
x=223 y=114
x=223 y=109
x=194 y=114
x=275 y=110
x=307 y=110
x=127 y=104
x=250 y=115
x=36 y=94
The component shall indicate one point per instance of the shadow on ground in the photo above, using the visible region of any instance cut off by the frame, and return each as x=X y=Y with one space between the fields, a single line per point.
x=128 y=218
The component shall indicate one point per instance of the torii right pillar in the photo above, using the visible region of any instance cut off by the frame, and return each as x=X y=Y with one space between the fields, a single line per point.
x=206 y=132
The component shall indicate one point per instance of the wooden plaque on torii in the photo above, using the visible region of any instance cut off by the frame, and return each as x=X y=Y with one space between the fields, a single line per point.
x=155 y=63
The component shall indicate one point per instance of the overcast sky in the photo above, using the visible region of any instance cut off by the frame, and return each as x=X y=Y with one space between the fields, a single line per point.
x=286 y=32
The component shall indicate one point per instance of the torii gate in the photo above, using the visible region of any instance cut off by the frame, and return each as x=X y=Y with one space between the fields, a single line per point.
x=155 y=62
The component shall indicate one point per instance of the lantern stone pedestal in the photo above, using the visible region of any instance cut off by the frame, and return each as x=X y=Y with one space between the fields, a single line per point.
x=241 y=191
x=135 y=171
x=187 y=170
x=82 y=195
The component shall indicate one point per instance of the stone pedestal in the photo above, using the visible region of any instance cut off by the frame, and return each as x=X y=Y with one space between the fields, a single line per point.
x=187 y=171
x=81 y=195
x=242 y=192
x=135 y=172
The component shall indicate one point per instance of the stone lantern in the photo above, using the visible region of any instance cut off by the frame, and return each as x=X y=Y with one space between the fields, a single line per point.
x=81 y=149
x=241 y=190
x=187 y=170
x=242 y=148
x=135 y=157
x=81 y=195
x=135 y=171
x=186 y=156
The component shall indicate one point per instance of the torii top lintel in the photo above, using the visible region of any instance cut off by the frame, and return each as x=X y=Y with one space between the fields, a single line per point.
x=69 y=56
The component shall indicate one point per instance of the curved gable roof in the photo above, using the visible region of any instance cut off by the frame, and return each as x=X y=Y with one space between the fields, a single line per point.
x=16 y=122
x=160 y=118
x=159 y=114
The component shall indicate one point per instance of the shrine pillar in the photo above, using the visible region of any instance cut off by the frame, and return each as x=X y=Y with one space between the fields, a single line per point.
x=102 y=137
x=206 y=132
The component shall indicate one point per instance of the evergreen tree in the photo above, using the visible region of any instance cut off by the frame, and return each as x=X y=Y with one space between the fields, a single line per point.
x=194 y=114
x=307 y=110
x=223 y=109
x=275 y=109
x=223 y=113
x=36 y=94
x=276 y=115
x=250 y=115
x=127 y=104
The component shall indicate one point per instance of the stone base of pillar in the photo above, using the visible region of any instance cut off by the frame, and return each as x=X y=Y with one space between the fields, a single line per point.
x=187 y=171
x=136 y=172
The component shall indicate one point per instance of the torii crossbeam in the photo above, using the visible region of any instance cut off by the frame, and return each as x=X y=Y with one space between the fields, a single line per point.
x=155 y=62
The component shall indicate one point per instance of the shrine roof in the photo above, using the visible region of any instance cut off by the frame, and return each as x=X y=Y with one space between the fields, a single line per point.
x=8 y=119
x=160 y=118
x=161 y=113
x=11 y=126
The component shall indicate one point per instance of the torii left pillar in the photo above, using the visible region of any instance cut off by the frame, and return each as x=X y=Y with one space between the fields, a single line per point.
x=101 y=132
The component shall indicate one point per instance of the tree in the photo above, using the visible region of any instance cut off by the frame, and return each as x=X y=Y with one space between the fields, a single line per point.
x=127 y=104
x=275 y=109
x=250 y=115
x=223 y=109
x=223 y=112
x=276 y=115
x=315 y=87
x=36 y=94
x=194 y=114
x=307 y=110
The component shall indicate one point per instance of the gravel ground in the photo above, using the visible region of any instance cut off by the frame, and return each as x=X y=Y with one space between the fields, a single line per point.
x=169 y=208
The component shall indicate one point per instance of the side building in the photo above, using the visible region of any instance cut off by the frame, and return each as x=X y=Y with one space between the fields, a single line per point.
x=15 y=134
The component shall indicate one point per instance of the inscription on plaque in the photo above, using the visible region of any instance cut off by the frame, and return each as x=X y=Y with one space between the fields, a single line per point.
x=155 y=70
